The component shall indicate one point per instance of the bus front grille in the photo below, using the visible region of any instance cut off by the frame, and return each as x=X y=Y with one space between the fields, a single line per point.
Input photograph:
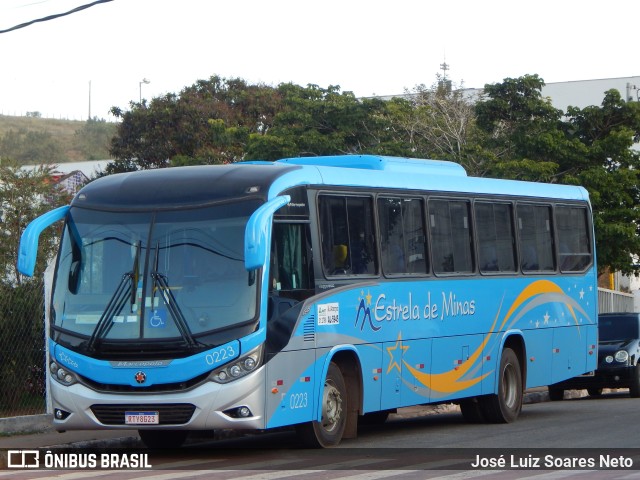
x=168 y=413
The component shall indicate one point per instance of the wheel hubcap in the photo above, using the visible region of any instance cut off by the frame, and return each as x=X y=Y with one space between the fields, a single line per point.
x=509 y=386
x=331 y=407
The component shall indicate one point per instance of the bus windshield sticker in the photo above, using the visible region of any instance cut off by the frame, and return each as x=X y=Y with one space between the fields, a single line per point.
x=329 y=314
x=158 y=319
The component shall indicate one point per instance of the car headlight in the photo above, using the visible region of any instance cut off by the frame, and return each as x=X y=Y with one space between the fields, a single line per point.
x=61 y=374
x=622 y=356
x=242 y=366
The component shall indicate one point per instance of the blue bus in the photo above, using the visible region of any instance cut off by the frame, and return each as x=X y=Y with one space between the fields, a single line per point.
x=316 y=293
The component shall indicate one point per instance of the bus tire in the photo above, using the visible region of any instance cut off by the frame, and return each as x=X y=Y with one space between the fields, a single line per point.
x=328 y=431
x=505 y=406
x=471 y=409
x=163 y=438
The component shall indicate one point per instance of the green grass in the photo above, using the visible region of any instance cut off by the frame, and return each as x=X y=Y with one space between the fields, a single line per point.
x=62 y=131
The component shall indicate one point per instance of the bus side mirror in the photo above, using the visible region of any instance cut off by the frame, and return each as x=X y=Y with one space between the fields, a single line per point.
x=256 y=234
x=28 y=250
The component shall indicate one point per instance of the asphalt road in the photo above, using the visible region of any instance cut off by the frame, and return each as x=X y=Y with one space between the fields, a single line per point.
x=609 y=421
x=418 y=443
x=572 y=423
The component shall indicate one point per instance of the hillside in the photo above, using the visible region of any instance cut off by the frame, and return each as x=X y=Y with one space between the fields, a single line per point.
x=31 y=140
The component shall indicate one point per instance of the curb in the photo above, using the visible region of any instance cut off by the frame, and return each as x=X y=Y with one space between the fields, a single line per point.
x=26 y=424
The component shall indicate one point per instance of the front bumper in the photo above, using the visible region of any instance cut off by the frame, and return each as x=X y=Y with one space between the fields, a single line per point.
x=200 y=408
x=604 y=377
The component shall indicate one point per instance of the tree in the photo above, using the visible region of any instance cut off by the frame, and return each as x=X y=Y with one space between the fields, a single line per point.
x=610 y=170
x=318 y=121
x=208 y=122
x=94 y=137
x=522 y=129
x=24 y=195
x=29 y=147
x=439 y=122
x=227 y=120
x=591 y=147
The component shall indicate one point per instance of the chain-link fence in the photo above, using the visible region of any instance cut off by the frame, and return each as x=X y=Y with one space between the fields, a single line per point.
x=22 y=348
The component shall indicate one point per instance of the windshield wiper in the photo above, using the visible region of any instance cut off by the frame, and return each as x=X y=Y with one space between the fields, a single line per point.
x=115 y=305
x=125 y=290
x=160 y=280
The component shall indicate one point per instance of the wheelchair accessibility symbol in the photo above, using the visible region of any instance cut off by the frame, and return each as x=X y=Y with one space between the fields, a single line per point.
x=158 y=318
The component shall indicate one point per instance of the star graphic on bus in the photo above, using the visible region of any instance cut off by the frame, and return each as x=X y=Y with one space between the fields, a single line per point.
x=398 y=346
x=367 y=298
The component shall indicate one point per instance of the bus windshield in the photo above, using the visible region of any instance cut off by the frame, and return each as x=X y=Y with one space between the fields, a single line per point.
x=146 y=277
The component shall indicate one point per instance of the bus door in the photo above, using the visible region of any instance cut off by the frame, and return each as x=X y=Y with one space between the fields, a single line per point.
x=290 y=347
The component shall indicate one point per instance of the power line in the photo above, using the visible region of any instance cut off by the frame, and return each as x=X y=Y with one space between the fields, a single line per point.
x=54 y=16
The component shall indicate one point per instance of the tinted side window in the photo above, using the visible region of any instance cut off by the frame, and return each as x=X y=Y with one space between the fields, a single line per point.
x=290 y=267
x=347 y=230
x=402 y=237
x=573 y=238
x=536 y=238
x=450 y=236
x=496 y=246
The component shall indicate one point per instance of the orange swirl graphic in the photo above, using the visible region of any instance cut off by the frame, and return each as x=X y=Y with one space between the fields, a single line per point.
x=451 y=381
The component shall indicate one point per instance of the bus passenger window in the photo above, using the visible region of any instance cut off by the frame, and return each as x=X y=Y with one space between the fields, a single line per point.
x=536 y=238
x=347 y=233
x=450 y=236
x=573 y=238
x=496 y=248
x=402 y=237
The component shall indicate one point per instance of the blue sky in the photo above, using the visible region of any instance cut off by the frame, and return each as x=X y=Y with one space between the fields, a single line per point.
x=368 y=47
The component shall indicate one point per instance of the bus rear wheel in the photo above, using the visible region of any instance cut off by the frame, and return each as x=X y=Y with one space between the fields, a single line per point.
x=328 y=431
x=505 y=406
x=471 y=409
x=594 y=392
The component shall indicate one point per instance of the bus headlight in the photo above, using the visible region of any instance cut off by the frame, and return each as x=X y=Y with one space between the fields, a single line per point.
x=61 y=374
x=622 y=356
x=239 y=368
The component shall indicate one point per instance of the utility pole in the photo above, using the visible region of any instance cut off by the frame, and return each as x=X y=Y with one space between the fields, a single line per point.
x=146 y=81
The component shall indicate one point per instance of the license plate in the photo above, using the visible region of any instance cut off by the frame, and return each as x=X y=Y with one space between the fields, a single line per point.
x=141 y=418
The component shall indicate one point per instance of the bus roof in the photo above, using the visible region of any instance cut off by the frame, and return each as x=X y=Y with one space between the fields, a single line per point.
x=411 y=174
x=381 y=163
x=200 y=185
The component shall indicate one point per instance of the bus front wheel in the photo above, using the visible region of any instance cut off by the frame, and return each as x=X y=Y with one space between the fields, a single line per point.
x=505 y=406
x=328 y=431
